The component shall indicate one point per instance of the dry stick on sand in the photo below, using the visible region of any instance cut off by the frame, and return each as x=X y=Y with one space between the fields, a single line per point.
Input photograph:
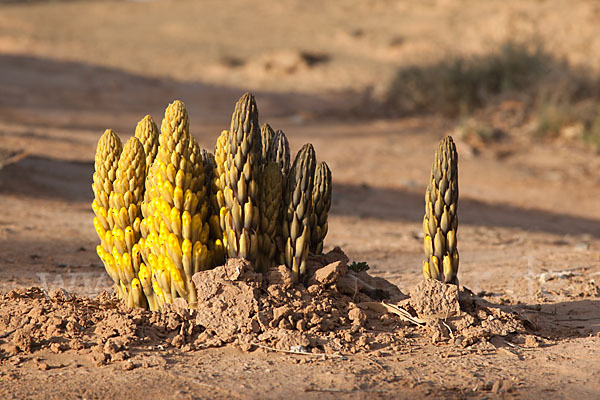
x=391 y=308
x=335 y=390
x=375 y=362
x=302 y=353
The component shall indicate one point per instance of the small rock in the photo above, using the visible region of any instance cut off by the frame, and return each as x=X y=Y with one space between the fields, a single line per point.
x=246 y=347
x=357 y=316
x=112 y=346
x=331 y=272
x=128 y=366
x=314 y=290
x=178 y=341
x=120 y=356
x=363 y=342
x=77 y=345
x=153 y=361
x=531 y=341
x=99 y=358
x=180 y=306
x=282 y=276
x=279 y=313
x=434 y=298
x=56 y=348
x=301 y=325
x=458 y=341
x=60 y=294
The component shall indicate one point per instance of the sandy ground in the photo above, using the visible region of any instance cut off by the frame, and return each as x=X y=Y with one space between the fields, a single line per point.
x=529 y=221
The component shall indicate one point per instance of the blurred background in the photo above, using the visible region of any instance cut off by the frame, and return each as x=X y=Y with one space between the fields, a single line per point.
x=373 y=84
x=534 y=62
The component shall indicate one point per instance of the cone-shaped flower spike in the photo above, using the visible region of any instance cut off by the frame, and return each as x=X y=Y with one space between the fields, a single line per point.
x=298 y=209
x=175 y=228
x=240 y=216
x=440 y=223
x=270 y=188
x=321 y=203
x=147 y=133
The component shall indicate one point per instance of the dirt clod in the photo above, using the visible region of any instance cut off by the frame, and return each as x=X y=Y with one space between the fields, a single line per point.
x=434 y=298
x=331 y=272
x=357 y=316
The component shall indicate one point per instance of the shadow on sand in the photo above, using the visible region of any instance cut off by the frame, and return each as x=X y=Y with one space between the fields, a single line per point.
x=397 y=204
x=60 y=93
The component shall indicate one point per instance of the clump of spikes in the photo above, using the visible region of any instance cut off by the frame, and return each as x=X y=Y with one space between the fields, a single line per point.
x=440 y=223
x=166 y=208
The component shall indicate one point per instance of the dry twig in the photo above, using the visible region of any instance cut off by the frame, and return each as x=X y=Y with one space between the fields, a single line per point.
x=394 y=309
x=303 y=353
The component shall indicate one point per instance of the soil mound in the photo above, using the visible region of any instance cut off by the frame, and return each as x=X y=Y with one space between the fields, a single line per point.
x=462 y=317
x=334 y=311
x=321 y=314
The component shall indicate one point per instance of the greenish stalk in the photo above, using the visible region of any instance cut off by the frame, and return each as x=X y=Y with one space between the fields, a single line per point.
x=216 y=233
x=240 y=216
x=270 y=190
x=321 y=203
x=298 y=208
x=266 y=134
x=279 y=152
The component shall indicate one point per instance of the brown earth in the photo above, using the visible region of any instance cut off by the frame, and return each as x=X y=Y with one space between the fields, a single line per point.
x=529 y=222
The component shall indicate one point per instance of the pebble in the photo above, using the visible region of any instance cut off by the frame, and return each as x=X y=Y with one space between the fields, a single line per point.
x=128 y=366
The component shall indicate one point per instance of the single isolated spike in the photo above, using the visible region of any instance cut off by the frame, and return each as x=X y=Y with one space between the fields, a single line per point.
x=321 y=203
x=147 y=133
x=440 y=223
x=298 y=208
x=240 y=218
